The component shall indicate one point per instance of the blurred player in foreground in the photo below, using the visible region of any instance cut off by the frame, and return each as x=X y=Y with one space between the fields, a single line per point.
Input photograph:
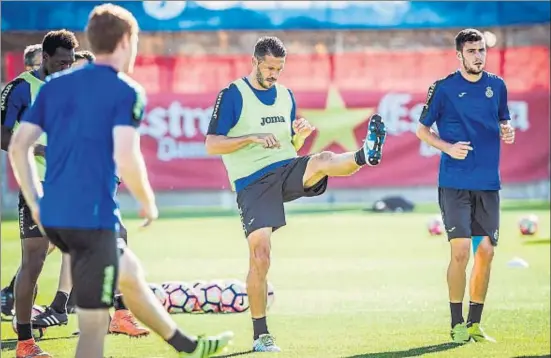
x=92 y=130
x=123 y=321
x=253 y=127
x=470 y=110
x=58 y=53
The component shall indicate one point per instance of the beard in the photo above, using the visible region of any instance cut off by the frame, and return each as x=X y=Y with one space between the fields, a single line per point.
x=472 y=70
x=262 y=81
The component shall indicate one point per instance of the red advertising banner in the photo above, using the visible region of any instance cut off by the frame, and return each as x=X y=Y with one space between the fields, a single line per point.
x=337 y=93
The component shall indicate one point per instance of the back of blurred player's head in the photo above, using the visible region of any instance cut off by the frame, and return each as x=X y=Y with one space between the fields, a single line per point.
x=268 y=60
x=32 y=57
x=83 y=57
x=471 y=50
x=112 y=31
x=58 y=50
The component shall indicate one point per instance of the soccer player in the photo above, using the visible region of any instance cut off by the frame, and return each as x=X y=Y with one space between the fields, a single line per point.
x=470 y=110
x=58 y=51
x=91 y=131
x=123 y=321
x=253 y=127
x=32 y=57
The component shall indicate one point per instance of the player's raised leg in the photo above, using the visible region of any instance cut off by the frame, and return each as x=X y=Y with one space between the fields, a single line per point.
x=329 y=164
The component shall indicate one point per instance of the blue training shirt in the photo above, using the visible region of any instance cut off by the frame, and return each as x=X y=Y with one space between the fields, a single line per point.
x=470 y=112
x=79 y=188
x=16 y=98
x=230 y=104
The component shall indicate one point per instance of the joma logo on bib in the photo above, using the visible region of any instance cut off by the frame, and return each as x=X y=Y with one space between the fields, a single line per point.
x=270 y=120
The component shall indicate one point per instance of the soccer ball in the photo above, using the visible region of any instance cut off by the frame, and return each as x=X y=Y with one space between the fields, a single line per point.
x=234 y=297
x=271 y=296
x=195 y=286
x=37 y=332
x=209 y=295
x=160 y=293
x=528 y=225
x=181 y=297
x=435 y=226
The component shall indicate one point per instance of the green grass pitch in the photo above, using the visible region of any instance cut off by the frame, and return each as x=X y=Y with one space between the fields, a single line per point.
x=347 y=284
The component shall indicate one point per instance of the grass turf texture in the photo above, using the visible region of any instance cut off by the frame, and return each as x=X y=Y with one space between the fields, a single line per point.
x=347 y=284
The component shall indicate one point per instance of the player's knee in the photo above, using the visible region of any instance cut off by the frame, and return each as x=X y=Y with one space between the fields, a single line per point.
x=321 y=161
x=34 y=256
x=130 y=270
x=260 y=249
x=485 y=251
x=461 y=250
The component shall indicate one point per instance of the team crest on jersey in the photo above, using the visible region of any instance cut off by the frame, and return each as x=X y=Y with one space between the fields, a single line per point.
x=489 y=92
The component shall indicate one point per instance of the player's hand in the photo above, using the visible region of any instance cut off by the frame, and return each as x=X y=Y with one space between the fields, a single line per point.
x=459 y=150
x=507 y=133
x=267 y=140
x=35 y=213
x=303 y=128
x=149 y=214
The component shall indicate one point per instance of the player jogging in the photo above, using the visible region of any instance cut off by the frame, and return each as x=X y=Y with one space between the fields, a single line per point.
x=470 y=110
x=91 y=131
x=123 y=321
x=253 y=127
x=58 y=51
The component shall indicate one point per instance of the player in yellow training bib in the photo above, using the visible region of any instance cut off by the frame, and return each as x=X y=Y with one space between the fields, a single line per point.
x=253 y=127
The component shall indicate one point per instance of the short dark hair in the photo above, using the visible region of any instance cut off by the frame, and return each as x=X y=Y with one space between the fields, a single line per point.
x=30 y=52
x=56 y=39
x=85 y=55
x=467 y=35
x=269 y=45
x=107 y=24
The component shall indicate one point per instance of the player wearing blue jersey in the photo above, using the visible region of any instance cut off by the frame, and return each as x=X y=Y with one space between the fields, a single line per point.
x=470 y=110
x=92 y=131
x=253 y=127
x=18 y=95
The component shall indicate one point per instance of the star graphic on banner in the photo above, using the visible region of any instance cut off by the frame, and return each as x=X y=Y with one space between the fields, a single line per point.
x=335 y=123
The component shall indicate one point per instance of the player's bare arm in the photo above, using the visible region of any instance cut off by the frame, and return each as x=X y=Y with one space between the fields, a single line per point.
x=303 y=129
x=23 y=164
x=131 y=166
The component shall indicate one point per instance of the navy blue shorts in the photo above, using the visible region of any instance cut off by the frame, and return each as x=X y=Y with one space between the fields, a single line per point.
x=468 y=213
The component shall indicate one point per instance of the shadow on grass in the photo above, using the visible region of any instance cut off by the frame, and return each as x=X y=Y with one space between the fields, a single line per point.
x=413 y=352
x=235 y=354
x=10 y=344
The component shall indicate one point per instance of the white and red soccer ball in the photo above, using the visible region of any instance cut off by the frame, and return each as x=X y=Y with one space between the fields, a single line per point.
x=435 y=226
x=234 y=297
x=181 y=297
x=209 y=295
x=528 y=225
x=37 y=332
